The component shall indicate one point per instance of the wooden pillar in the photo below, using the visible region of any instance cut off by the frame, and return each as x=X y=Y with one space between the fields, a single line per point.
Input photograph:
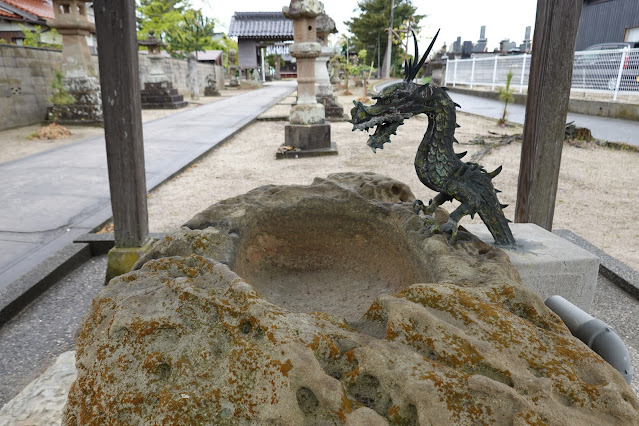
x=119 y=78
x=546 y=108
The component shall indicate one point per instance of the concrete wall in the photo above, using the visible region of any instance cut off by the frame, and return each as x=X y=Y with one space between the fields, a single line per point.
x=26 y=74
x=25 y=78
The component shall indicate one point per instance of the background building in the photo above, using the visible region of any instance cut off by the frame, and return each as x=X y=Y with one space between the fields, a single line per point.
x=608 y=21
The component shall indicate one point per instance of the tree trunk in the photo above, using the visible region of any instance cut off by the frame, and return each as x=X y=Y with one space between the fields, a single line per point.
x=548 y=94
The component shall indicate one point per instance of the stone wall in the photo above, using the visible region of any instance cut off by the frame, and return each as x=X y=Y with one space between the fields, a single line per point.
x=25 y=79
x=26 y=74
x=176 y=70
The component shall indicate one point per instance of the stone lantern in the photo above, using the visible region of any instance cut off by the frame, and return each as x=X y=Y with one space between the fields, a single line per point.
x=307 y=133
x=323 y=87
x=158 y=92
x=79 y=74
x=71 y=21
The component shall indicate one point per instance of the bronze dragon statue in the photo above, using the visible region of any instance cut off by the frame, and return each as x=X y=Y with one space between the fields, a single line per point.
x=437 y=165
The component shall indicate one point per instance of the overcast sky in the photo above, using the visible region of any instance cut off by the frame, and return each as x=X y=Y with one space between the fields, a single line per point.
x=502 y=18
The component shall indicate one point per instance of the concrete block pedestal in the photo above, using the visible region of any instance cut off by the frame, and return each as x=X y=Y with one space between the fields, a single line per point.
x=548 y=264
x=308 y=140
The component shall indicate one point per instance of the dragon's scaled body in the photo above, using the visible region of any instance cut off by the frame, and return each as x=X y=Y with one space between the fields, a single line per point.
x=437 y=165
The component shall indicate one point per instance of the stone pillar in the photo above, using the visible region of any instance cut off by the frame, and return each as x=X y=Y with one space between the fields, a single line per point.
x=277 y=68
x=193 y=77
x=233 y=82
x=79 y=74
x=308 y=133
x=158 y=92
x=323 y=87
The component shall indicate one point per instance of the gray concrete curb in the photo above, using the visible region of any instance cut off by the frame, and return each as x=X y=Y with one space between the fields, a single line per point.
x=25 y=290
x=616 y=271
x=578 y=106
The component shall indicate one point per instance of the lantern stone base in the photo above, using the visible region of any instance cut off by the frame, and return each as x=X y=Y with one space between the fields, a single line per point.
x=87 y=108
x=333 y=109
x=307 y=140
x=161 y=95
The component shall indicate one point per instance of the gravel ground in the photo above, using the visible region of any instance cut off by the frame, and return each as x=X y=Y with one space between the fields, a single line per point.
x=596 y=196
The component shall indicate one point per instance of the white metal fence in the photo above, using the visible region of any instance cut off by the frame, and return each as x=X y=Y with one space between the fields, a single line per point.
x=599 y=71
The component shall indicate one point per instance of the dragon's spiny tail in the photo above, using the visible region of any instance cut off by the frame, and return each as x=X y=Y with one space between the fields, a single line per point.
x=488 y=207
x=492 y=211
x=497 y=224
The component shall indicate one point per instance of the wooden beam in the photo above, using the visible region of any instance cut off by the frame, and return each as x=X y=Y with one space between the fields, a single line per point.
x=119 y=78
x=546 y=108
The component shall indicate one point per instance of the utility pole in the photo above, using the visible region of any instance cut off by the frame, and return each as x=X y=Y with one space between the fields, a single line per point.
x=387 y=56
x=546 y=107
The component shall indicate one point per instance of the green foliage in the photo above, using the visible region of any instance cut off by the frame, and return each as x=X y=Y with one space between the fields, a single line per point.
x=271 y=60
x=33 y=38
x=363 y=70
x=225 y=44
x=60 y=96
x=193 y=34
x=3 y=41
x=182 y=28
x=506 y=95
x=161 y=16
x=346 y=67
x=374 y=18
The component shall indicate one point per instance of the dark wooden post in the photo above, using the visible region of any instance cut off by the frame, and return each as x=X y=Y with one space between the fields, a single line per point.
x=120 y=81
x=546 y=108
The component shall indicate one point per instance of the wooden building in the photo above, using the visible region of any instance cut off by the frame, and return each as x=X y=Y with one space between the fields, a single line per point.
x=608 y=21
x=262 y=33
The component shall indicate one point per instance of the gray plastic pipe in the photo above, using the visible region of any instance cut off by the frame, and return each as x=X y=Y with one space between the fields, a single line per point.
x=598 y=335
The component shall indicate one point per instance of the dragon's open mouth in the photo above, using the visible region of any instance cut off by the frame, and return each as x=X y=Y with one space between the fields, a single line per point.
x=386 y=123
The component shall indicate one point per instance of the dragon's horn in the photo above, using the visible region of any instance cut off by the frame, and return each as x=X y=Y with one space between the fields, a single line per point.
x=414 y=69
x=495 y=172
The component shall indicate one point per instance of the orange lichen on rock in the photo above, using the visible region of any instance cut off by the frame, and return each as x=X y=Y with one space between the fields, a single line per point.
x=184 y=339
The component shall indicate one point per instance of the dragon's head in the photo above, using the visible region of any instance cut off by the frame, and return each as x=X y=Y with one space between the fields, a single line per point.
x=395 y=103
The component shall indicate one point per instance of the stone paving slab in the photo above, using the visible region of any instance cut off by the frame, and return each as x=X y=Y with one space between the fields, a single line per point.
x=67 y=188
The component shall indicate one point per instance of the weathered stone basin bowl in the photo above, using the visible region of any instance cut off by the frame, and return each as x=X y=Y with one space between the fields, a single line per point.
x=330 y=304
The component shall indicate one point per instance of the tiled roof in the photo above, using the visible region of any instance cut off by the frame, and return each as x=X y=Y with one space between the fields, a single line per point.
x=8 y=14
x=210 y=55
x=261 y=25
x=40 y=8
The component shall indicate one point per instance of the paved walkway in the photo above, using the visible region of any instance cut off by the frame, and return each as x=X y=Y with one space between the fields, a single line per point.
x=609 y=129
x=49 y=199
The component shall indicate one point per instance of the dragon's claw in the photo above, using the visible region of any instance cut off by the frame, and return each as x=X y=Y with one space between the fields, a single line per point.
x=450 y=227
x=419 y=206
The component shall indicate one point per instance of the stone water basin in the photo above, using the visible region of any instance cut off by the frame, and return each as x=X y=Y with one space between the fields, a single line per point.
x=330 y=304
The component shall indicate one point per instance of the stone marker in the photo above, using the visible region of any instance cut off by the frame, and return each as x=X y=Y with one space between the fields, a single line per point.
x=211 y=86
x=192 y=77
x=323 y=87
x=329 y=304
x=158 y=92
x=233 y=81
x=79 y=74
x=307 y=133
